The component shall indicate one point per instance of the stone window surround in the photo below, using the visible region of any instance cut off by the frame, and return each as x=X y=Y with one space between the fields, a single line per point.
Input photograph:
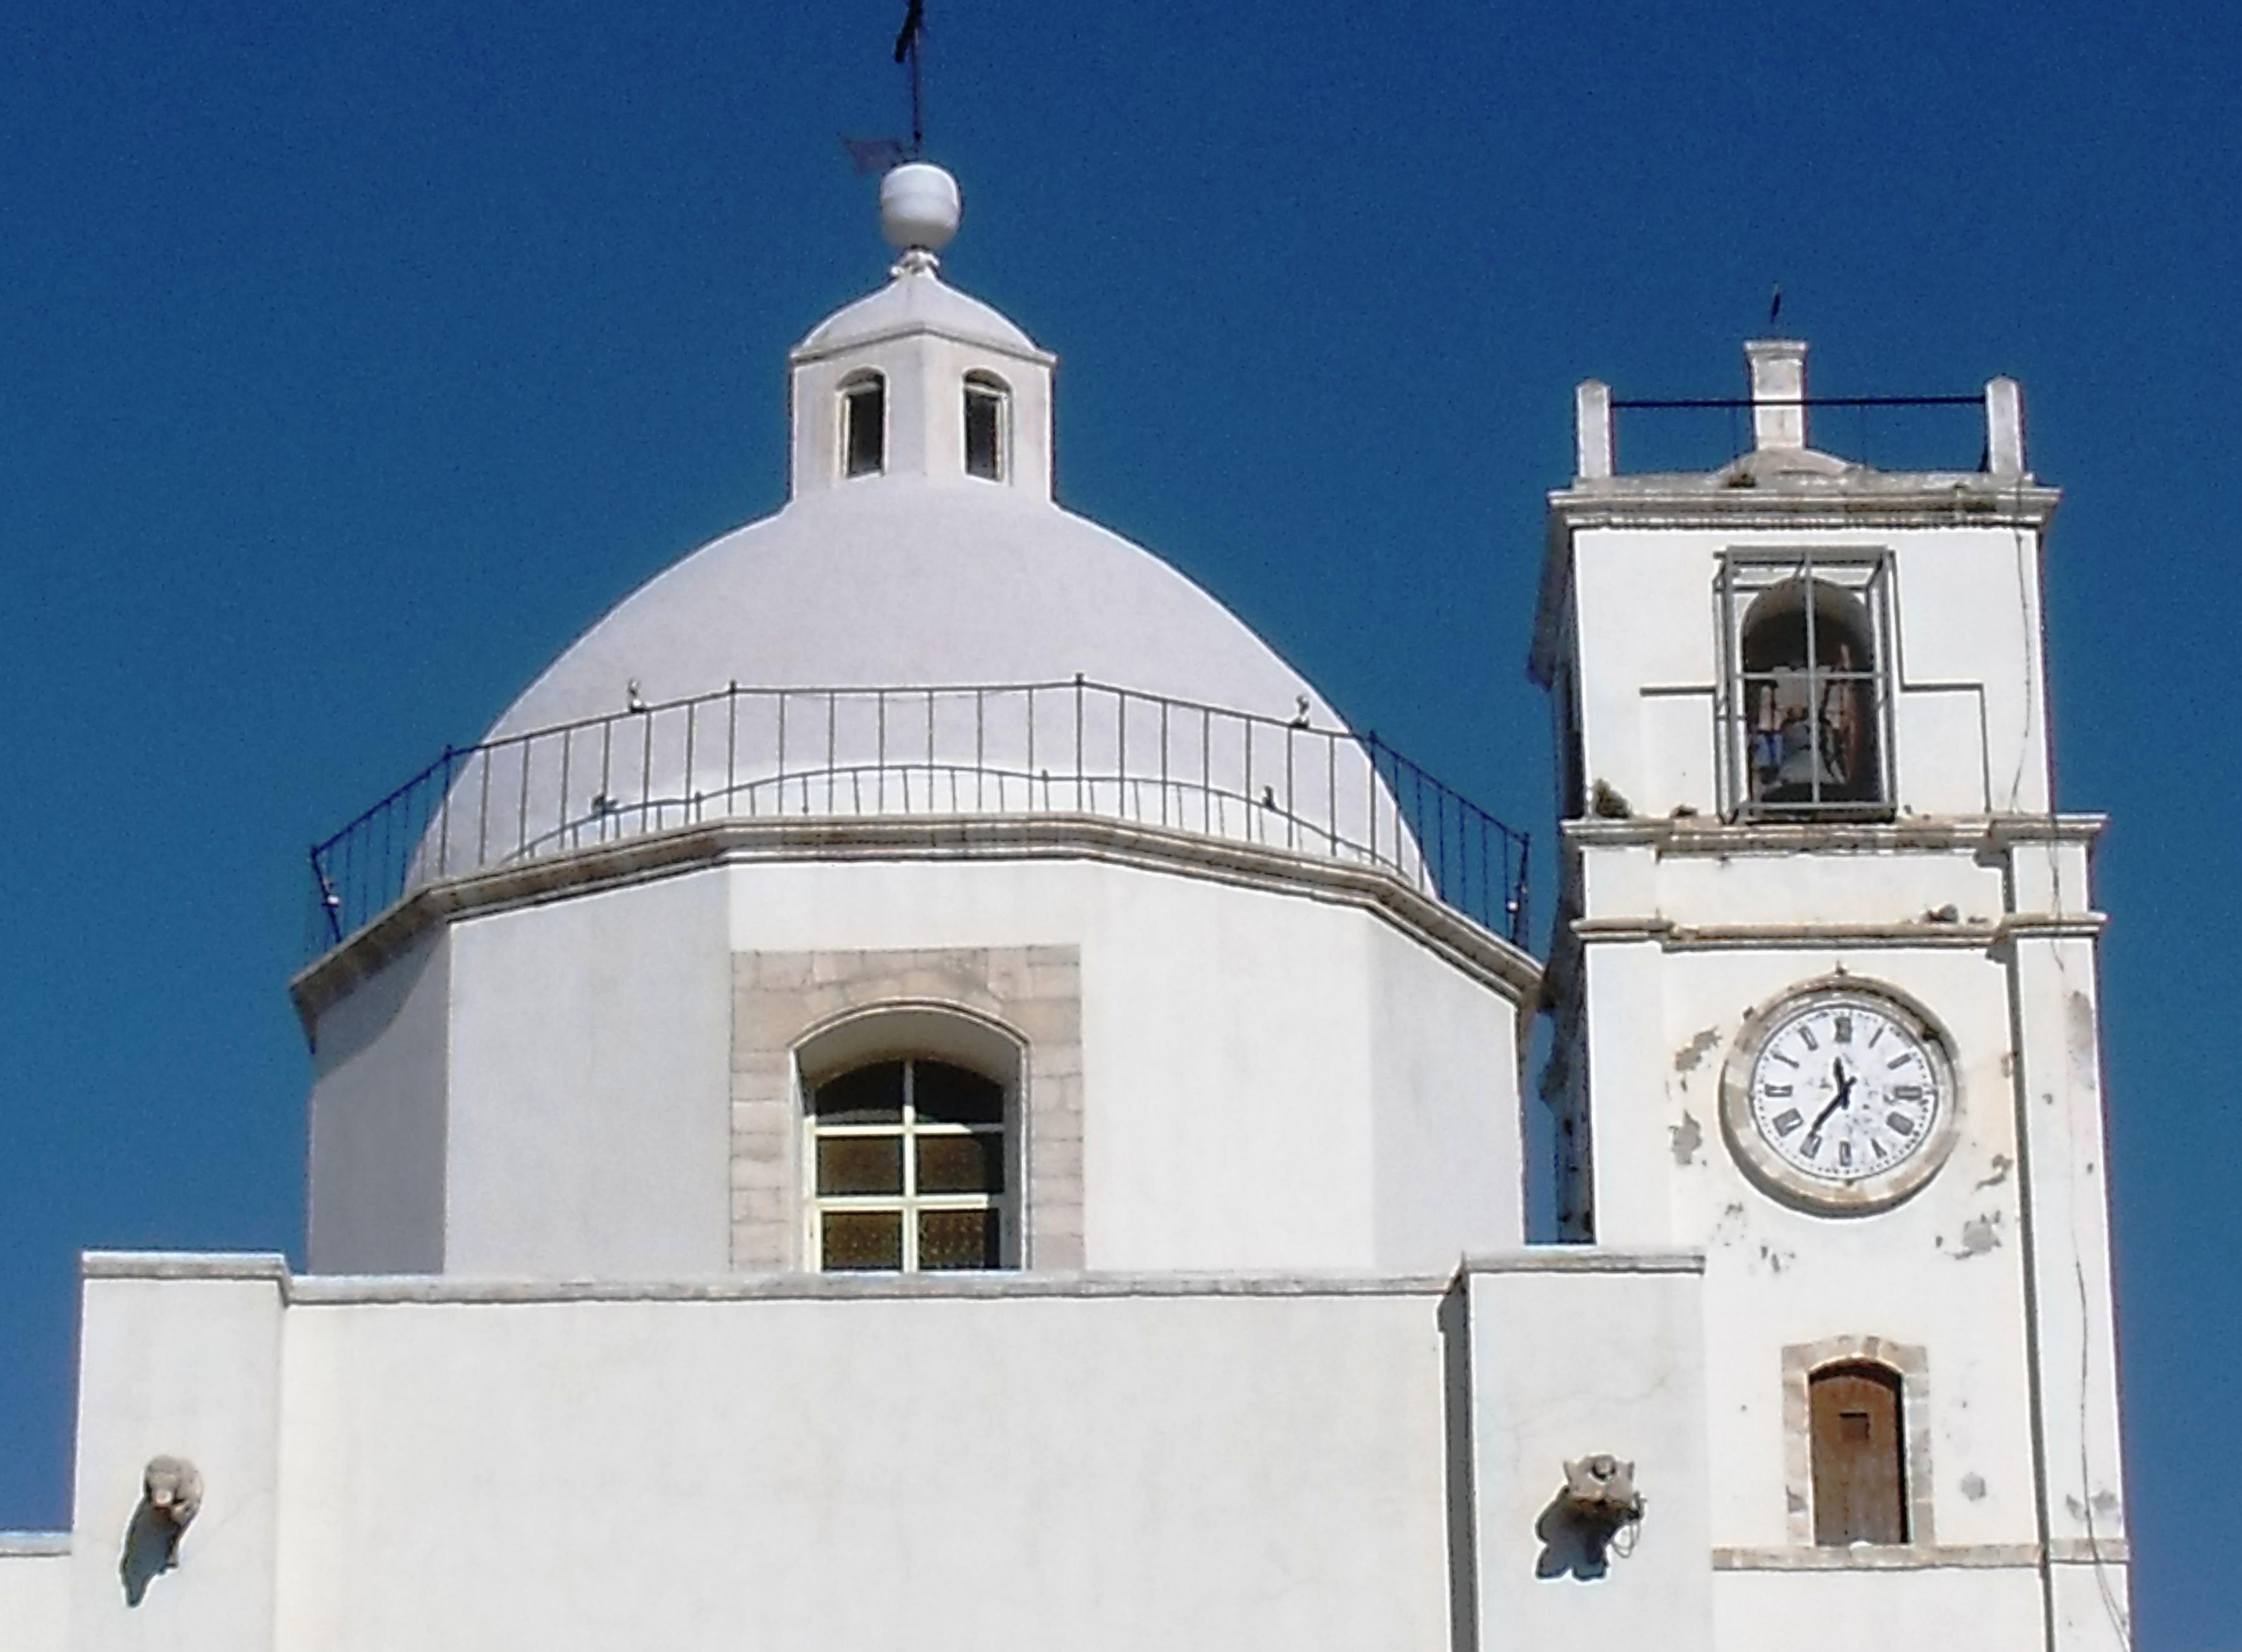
x=1799 y=1361
x=782 y=1000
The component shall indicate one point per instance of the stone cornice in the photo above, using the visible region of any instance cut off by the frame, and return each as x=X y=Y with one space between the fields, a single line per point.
x=1698 y=499
x=1697 y=834
x=1976 y=935
x=800 y=357
x=350 y=1289
x=1488 y=958
x=29 y=1546
x=1921 y=1557
x=1875 y=499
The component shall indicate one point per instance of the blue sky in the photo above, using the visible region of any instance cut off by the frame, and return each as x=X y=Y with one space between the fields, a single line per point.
x=354 y=357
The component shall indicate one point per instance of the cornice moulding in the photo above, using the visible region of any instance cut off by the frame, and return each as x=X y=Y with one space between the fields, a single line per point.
x=1422 y=918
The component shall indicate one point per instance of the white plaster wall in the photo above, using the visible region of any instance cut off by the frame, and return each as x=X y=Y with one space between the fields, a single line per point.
x=1877 y=886
x=1172 y=1472
x=191 y=1368
x=1271 y=1081
x=1606 y=1356
x=380 y=1075
x=925 y=375
x=2061 y=1079
x=1971 y=707
x=1242 y=1055
x=33 y=1595
x=590 y=1043
x=1445 y=1115
x=1987 y=1611
x=1942 y=1270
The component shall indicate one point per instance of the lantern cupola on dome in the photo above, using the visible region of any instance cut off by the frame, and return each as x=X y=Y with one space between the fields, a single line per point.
x=917 y=380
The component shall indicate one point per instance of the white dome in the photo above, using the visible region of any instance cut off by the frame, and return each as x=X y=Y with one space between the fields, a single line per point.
x=922 y=639
x=901 y=648
x=892 y=583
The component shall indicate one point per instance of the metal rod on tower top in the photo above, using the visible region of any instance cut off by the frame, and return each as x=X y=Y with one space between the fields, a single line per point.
x=907 y=46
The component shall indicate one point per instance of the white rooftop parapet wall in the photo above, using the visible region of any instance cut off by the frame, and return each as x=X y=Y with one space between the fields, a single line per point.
x=1310 y=1460
x=35 y=1576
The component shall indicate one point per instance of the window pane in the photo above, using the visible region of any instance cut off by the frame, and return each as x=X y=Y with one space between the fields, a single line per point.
x=985 y=411
x=957 y=1239
x=868 y=1096
x=858 y=1240
x=864 y=434
x=860 y=1164
x=961 y=1164
x=953 y=1096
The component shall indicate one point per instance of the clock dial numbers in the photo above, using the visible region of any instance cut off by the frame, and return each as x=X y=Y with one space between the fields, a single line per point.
x=1842 y=1089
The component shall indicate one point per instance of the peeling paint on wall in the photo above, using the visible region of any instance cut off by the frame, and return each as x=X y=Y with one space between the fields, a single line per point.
x=1979 y=1235
x=1730 y=1227
x=1686 y=1058
x=1687 y=1137
x=2083 y=1073
x=2001 y=1165
x=1973 y=1487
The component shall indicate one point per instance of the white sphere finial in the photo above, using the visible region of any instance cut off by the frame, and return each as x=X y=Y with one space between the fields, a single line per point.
x=919 y=207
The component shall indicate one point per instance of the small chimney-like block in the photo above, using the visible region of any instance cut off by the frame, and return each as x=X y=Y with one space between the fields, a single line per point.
x=1778 y=392
x=2005 y=428
x=1592 y=430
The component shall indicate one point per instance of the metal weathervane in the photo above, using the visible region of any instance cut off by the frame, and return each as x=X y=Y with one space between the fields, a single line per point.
x=878 y=154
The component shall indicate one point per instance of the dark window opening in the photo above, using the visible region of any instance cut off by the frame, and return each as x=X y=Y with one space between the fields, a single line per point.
x=864 y=426
x=986 y=404
x=1808 y=691
x=1860 y=1455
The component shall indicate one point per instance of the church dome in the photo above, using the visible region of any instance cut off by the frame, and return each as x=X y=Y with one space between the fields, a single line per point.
x=921 y=547
x=900 y=584
x=922 y=630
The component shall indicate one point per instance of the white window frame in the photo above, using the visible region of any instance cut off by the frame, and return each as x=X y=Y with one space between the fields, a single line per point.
x=909 y=1203
x=862 y=378
x=981 y=382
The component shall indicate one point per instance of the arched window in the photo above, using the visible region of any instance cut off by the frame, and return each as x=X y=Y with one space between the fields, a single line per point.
x=1859 y=1447
x=987 y=420
x=1807 y=690
x=908 y=1168
x=864 y=425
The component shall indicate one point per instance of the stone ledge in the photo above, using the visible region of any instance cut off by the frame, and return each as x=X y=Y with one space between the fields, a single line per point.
x=1973 y=935
x=1696 y=835
x=1583 y=1259
x=1424 y=918
x=1868 y=1557
x=24 y=1546
x=342 y=1291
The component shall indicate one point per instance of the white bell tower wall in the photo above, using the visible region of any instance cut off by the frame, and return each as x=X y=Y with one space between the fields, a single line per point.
x=1750 y=832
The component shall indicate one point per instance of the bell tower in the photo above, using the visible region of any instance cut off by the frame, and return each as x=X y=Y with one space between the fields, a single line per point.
x=1823 y=988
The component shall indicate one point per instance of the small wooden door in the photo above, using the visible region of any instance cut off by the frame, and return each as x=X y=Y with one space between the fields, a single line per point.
x=1860 y=1456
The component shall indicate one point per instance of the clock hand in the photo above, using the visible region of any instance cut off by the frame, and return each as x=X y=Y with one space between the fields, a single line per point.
x=1844 y=1097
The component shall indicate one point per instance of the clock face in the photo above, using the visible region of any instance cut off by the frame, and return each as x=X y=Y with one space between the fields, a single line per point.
x=1840 y=1098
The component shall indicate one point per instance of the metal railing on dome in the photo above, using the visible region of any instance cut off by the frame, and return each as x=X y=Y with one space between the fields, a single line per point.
x=1029 y=750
